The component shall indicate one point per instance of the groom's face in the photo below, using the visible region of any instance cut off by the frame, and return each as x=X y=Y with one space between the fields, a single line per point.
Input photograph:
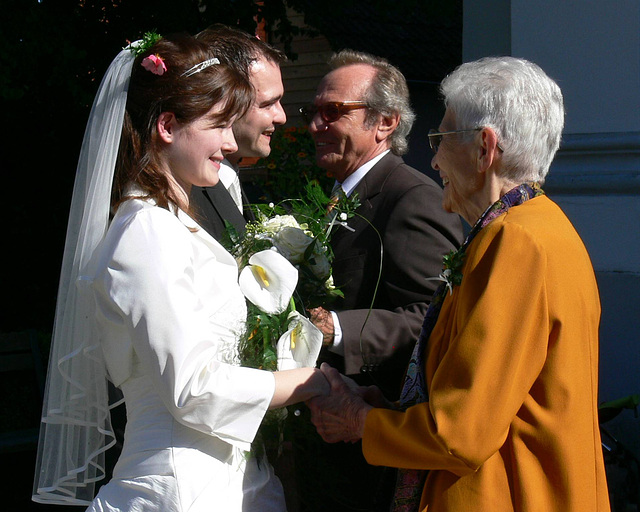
x=254 y=130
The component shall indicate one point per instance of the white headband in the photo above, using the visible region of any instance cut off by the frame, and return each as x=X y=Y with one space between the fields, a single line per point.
x=199 y=67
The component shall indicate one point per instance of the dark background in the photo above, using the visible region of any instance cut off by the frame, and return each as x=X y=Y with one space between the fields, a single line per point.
x=53 y=54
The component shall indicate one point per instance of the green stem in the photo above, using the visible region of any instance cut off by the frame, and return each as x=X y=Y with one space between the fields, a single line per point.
x=266 y=338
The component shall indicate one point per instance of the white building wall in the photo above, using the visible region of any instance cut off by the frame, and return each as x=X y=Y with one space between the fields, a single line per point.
x=592 y=49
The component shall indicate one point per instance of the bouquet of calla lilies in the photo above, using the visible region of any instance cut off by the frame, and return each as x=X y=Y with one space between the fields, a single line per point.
x=285 y=269
x=277 y=336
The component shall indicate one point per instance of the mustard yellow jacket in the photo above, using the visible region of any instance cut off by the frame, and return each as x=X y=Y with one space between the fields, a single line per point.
x=512 y=374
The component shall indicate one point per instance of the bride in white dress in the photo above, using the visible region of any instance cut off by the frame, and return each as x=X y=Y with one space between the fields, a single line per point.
x=154 y=305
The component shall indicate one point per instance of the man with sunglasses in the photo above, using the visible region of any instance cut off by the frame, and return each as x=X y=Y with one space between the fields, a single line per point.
x=360 y=120
x=227 y=202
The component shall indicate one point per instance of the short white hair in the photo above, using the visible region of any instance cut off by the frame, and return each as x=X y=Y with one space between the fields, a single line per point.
x=519 y=102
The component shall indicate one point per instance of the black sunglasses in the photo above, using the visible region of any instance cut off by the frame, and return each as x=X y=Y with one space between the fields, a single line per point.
x=331 y=111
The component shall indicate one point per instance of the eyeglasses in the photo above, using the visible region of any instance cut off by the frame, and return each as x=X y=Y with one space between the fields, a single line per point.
x=435 y=137
x=332 y=111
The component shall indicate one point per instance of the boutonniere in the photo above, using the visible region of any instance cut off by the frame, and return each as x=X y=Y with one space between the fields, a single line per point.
x=451 y=269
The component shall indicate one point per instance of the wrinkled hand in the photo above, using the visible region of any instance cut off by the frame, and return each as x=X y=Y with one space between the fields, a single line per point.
x=340 y=416
x=323 y=320
x=374 y=396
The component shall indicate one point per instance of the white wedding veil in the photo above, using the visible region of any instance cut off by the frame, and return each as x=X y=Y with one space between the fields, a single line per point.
x=76 y=428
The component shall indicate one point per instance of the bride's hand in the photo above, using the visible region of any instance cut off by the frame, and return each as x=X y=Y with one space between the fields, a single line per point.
x=298 y=385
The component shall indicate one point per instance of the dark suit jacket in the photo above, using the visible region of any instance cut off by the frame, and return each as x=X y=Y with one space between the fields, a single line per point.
x=405 y=207
x=214 y=205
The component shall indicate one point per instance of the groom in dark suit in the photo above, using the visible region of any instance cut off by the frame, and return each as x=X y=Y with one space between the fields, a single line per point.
x=260 y=63
x=359 y=120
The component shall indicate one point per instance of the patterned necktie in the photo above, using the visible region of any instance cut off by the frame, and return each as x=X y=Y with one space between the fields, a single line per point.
x=336 y=194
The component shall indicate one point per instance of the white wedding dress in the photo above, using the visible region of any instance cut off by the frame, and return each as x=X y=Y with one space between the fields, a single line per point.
x=168 y=312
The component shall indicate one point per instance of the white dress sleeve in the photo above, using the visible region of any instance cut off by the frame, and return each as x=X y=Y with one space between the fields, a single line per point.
x=175 y=302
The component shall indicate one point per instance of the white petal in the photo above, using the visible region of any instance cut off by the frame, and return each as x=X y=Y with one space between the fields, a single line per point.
x=300 y=346
x=269 y=281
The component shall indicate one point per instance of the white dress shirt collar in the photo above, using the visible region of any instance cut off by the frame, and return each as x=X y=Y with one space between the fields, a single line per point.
x=228 y=174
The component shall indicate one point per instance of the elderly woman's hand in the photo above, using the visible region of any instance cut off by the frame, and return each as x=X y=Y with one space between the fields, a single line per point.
x=341 y=415
x=374 y=396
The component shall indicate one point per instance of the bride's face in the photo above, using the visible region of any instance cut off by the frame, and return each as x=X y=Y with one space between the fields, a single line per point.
x=193 y=152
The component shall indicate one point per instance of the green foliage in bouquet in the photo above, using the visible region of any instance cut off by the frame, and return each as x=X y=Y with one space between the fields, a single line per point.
x=290 y=163
x=257 y=348
x=299 y=229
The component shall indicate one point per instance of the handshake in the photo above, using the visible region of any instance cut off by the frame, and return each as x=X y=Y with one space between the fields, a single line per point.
x=341 y=414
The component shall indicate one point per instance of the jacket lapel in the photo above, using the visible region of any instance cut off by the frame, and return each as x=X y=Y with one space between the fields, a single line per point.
x=225 y=206
x=372 y=183
x=247 y=212
x=369 y=187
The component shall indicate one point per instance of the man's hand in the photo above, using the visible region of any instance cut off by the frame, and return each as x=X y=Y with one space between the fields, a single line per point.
x=323 y=320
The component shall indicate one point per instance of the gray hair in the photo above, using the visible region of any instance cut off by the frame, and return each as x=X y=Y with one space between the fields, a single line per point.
x=387 y=96
x=519 y=102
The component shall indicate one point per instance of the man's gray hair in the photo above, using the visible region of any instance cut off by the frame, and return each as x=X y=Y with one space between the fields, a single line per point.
x=388 y=95
x=519 y=102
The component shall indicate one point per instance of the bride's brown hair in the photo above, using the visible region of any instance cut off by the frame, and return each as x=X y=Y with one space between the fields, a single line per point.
x=187 y=97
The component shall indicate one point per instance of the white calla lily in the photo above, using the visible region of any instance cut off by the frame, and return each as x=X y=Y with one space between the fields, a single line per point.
x=300 y=346
x=269 y=281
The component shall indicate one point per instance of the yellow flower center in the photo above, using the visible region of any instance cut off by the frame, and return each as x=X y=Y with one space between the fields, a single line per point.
x=261 y=275
x=294 y=335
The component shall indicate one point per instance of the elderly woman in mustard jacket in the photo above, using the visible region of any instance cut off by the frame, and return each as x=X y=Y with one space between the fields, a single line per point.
x=499 y=406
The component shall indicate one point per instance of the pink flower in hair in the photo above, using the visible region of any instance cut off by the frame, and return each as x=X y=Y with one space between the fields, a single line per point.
x=155 y=64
